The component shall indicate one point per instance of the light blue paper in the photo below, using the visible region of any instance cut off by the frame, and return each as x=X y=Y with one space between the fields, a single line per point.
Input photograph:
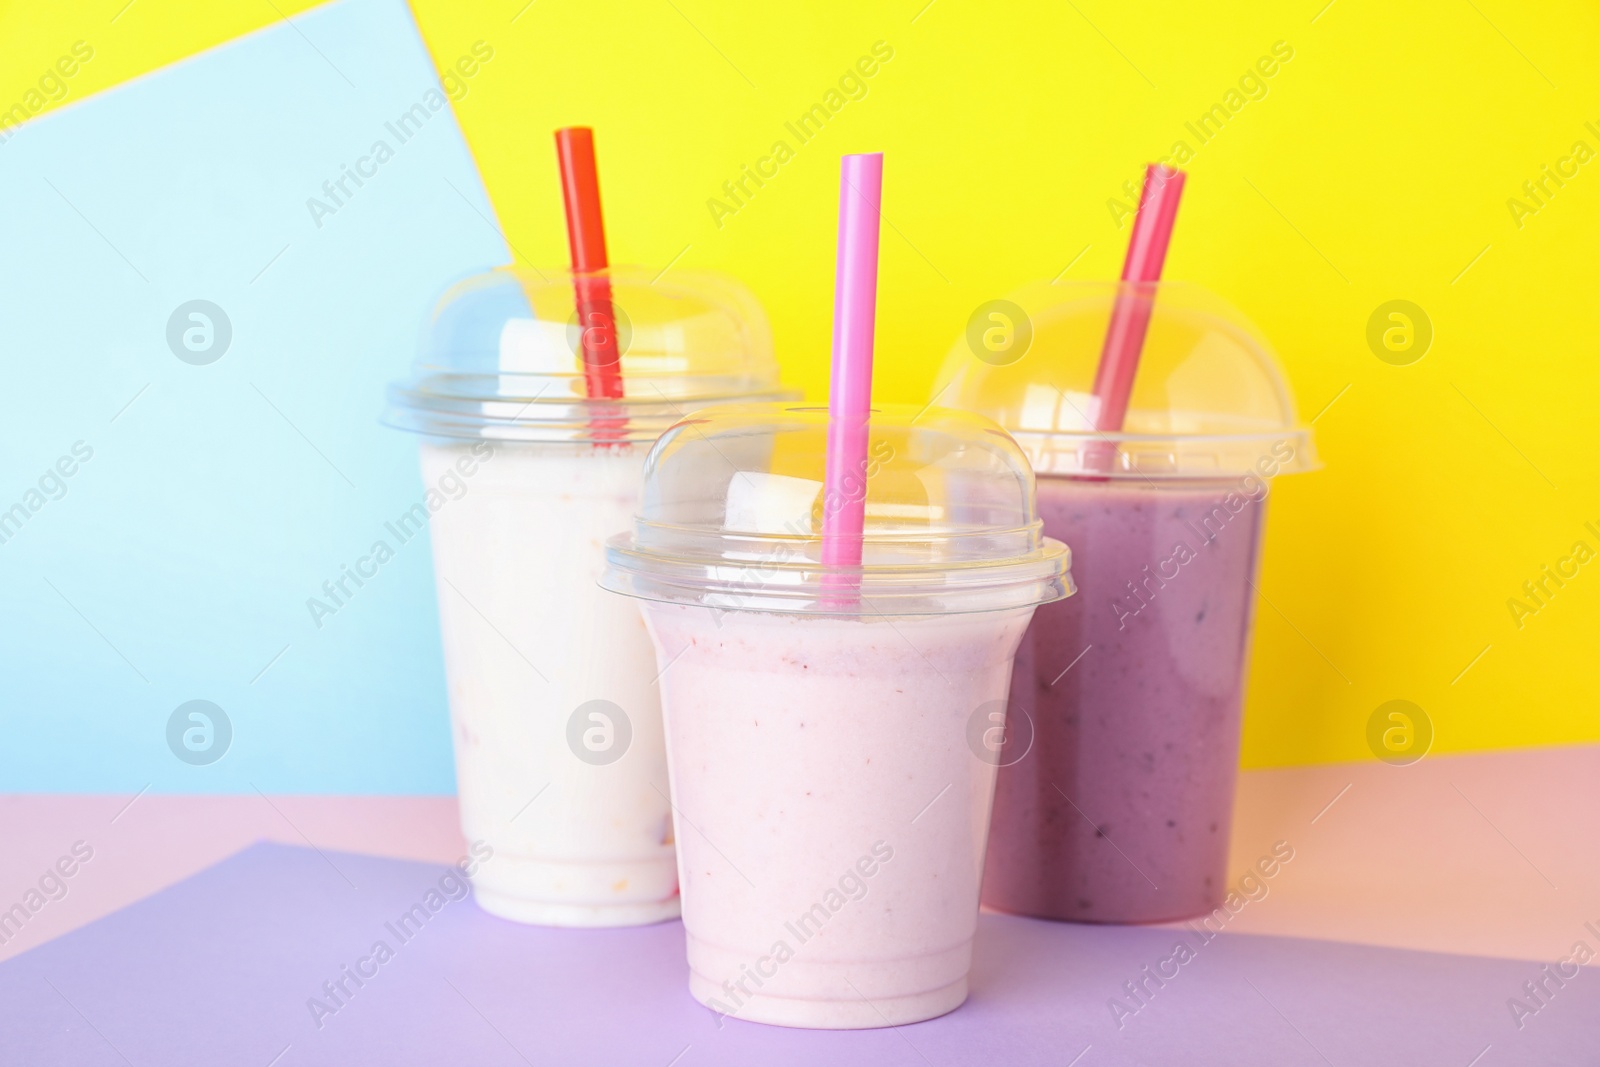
x=177 y=562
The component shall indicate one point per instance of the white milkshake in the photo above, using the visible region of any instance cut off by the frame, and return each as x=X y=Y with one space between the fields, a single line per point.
x=560 y=761
x=825 y=723
x=528 y=641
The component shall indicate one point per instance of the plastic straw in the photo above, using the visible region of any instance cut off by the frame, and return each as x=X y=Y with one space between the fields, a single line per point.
x=586 y=236
x=1130 y=316
x=855 y=300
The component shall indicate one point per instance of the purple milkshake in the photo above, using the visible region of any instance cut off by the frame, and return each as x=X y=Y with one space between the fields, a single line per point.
x=1115 y=792
x=1120 y=810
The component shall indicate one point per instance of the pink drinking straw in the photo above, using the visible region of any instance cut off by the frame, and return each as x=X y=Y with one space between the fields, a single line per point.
x=1130 y=316
x=855 y=301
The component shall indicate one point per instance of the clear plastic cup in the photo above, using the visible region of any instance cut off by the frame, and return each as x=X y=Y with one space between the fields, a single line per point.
x=831 y=799
x=1115 y=798
x=560 y=764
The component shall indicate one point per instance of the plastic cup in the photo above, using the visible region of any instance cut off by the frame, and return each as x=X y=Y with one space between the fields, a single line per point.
x=560 y=763
x=1116 y=805
x=831 y=804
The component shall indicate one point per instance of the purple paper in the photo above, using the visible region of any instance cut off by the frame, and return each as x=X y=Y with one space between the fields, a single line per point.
x=229 y=966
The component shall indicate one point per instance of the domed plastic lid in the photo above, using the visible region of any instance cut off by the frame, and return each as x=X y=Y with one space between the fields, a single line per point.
x=503 y=356
x=731 y=517
x=1208 y=401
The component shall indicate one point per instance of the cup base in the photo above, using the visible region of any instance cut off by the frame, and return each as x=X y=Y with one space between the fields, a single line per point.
x=1058 y=912
x=821 y=1013
x=550 y=892
x=546 y=913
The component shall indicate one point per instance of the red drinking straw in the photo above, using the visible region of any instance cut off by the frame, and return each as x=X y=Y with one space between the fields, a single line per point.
x=855 y=301
x=1130 y=316
x=586 y=236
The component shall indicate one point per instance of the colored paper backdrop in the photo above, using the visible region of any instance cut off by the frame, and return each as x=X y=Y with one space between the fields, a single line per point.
x=1343 y=157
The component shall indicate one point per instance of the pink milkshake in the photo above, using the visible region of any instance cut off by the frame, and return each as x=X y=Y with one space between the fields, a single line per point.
x=831 y=816
x=1116 y=805
x=829 y=808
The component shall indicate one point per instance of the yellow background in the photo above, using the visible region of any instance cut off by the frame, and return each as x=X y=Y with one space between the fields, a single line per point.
x=1377 y=167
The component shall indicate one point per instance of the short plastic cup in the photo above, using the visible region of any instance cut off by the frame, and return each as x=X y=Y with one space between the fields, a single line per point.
x=1115 y=798
x=560 y=762
x=823 y=723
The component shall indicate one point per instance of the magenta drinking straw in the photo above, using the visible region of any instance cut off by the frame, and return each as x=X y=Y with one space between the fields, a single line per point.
x=855 y=299
x=1130 y=317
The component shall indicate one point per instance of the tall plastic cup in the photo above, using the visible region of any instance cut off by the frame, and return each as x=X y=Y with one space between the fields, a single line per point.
x=1117 y=776
x=825 y=724
x=560 y=763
